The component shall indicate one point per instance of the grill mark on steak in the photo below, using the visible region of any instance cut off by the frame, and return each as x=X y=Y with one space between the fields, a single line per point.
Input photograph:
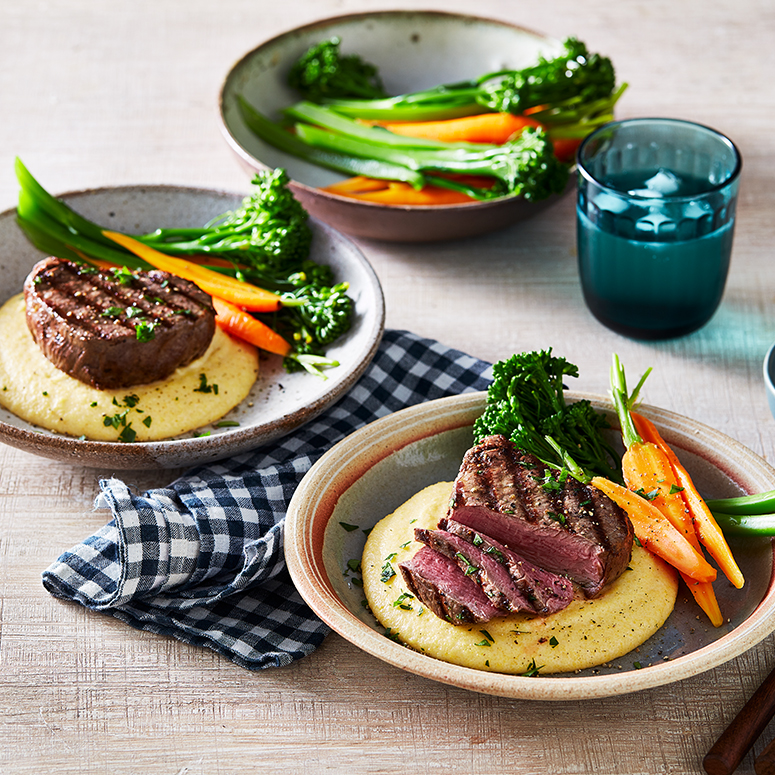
x=570 y=530
x=85 y=321
x=438 y=583
x=546 y=592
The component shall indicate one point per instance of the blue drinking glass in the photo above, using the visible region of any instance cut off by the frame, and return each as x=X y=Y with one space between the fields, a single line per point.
x=655 y=218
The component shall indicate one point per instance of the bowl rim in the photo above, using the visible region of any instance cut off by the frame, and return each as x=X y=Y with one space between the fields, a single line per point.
x=311 y=579
x=250 y=160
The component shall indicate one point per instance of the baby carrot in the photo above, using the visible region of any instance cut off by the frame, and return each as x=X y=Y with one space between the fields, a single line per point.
x=489 y=128
x=655 y=532
x=706 y=527
x=245 y=295
x=397 y=193
x=235 y=321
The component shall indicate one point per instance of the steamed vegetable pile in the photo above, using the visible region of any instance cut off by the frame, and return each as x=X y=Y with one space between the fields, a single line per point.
x=525 y=402
x=254 y=261
x=507 y=133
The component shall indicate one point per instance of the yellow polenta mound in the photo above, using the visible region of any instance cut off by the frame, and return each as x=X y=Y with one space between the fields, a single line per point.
x=34 y=389
x=585 y=634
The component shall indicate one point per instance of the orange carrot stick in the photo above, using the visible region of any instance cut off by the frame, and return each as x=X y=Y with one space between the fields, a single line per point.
x=397 y=193
x=705 y=525
x=356 y=185
x=235 y=321
x=244 y=295
x=655 y=532
x=490 y=128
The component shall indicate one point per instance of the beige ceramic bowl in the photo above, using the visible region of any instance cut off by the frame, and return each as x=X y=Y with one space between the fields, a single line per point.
x=278 y=402
x=413 y=50
x=366 y=476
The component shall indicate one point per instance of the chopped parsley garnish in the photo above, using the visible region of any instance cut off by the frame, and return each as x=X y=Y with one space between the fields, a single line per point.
x=147 y=421
x=484 y=642
x=498 y=555
x=387 y=573
x=532 y=670
x=132 y=400
x=112 y=312
x=128 y=434
x=674 y=488
x=227 y=424
x=204 y=387
x=556 y=517
x=145 y=331
x=649 y=496
x=133 y=312
x=122 y=276
x=348 y=528
x=468 y=568
x=553 y=642
x=354 y=565
x=115 y=420
x=400 y=601
x=487 y=635
x=393 y=635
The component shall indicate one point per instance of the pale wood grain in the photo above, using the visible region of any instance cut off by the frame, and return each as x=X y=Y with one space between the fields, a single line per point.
x=110 y=93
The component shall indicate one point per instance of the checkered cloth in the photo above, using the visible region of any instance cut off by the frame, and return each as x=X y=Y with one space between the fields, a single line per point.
x=202 y=560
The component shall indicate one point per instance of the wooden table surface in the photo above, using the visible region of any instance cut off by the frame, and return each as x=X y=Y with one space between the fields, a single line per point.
x=103 y=93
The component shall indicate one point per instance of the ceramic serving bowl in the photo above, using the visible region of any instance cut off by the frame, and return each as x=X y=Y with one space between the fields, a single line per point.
x=278 y=402
x=413 y=50
x=366 y=476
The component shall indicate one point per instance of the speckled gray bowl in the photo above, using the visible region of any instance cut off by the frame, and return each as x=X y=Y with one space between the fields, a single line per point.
x=277 y=404
x=413 y=50
x=370 y=473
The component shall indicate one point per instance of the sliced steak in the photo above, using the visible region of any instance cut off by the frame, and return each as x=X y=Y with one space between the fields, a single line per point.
x=438 y=583
x=545 y=592
x=563 y=527
x=484 y=569
x=114 y=329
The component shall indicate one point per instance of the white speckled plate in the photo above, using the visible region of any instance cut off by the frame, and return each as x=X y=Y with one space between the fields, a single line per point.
x=370 y=473
x=277 y=404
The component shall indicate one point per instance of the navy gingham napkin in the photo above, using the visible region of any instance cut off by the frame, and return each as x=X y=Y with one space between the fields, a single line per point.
x=202 y=559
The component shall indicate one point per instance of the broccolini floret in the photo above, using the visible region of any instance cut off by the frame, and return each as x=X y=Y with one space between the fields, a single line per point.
x=323 y=72
x=526 y=403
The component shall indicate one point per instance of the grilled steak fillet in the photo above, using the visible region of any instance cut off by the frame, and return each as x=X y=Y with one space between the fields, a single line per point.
x=566 y=528
x=116 y=329
x=545 y=592
x=438 y=583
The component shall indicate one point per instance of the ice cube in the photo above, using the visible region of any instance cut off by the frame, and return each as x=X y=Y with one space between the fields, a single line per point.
x=663 y=183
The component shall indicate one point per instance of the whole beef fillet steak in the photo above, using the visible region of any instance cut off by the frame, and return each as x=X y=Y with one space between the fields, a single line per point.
x=565 y=527
x=114 y=328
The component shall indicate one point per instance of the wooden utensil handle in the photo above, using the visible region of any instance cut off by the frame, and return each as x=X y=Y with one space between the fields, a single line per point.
x=733 y=744
x=765 y=761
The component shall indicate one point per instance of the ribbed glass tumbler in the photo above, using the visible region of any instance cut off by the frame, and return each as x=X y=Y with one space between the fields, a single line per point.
x=655 y=218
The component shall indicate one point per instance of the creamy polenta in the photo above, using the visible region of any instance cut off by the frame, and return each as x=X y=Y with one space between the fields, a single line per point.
x=587 y=633
x=32 y=388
